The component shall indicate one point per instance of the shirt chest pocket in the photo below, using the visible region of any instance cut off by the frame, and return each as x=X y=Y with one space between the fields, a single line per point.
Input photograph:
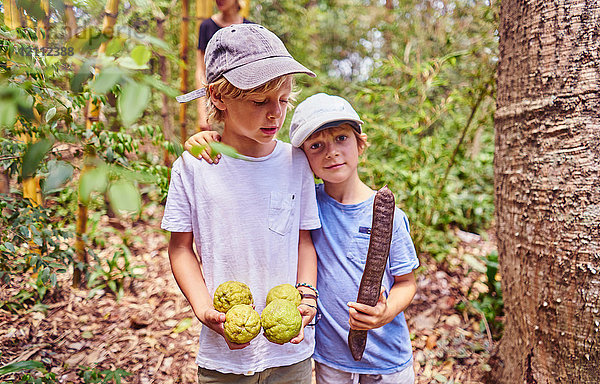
x=359 y=246
x=281 y=212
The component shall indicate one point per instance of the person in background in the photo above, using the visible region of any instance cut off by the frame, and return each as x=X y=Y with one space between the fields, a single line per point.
x=229 y=13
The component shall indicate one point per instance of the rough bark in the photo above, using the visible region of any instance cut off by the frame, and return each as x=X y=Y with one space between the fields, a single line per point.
x=547 y=177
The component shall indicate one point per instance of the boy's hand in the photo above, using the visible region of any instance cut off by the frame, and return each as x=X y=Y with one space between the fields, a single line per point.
x=365 y=317
x=202 y=139
x=214 y=320
x=307 y=313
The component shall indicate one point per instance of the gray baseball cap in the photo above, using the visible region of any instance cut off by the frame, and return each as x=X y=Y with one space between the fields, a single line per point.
x=321 y=111
x=247 y=55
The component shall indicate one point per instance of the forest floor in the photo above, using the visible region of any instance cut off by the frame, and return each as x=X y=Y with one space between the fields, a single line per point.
x=151 y=331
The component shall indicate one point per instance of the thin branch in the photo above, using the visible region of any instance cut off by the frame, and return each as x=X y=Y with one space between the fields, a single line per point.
x=482 y=94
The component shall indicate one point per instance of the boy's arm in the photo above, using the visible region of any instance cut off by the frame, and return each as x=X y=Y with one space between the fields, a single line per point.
x=365 y=317
x=307 y=273
x=190 y=280
x=202 y=139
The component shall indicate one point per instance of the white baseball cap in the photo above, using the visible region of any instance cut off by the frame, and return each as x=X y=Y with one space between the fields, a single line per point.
x=319 y=112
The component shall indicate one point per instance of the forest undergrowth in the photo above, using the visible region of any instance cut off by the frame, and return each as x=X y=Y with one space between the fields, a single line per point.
x=151 y=334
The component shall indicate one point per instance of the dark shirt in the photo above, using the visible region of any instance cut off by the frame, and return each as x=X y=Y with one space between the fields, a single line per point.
x=207 y=30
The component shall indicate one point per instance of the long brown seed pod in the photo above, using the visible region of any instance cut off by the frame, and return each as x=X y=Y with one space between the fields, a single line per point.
x=382 y=227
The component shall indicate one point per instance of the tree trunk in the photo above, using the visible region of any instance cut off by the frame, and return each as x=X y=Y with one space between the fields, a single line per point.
x=245 y=10
x=43 y=26
x=13 y=17
x=183 y=53
x=164 y=76
x=547 y=173
x=70 y=21
x=110 y=18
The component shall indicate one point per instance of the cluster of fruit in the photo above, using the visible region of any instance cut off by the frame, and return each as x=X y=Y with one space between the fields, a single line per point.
x=280 y=319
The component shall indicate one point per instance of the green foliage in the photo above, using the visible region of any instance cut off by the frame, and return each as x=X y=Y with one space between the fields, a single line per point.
x=488 y=304
x=17 y=374
x=114 y=274
x=94 y=375
x=31 y=246
x=20 y=366
x=421 y=76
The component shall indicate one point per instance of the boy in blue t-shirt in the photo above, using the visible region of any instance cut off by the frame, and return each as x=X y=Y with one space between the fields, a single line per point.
x=328 y=130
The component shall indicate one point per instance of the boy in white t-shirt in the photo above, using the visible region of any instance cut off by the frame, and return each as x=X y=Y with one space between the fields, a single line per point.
x=251 y=217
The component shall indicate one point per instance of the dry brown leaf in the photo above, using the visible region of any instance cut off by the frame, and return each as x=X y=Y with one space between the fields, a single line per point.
x=431 y=342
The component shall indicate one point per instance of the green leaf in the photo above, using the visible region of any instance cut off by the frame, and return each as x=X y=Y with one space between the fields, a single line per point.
x=196 y=150
x=21 y=366
x=50 y=114
x=183 y=324
x=93 y=180
x=87 y=335
x=141 y=54
x=225 y=149
x=124 y=197
x=129 y=63
x=34 y=155
x=114 y=46
x=160 y=86
x=33 y=8
x=132 y=101
x=112 y=285
x=8 y=113
x=59 y=172
x=84 y=73
x=106 y=79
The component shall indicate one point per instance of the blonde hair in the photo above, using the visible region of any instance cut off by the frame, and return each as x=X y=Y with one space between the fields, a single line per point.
x=360 y=140
x=224 y=88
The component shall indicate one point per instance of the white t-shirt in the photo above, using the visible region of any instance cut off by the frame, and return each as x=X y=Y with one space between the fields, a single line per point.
x=245 y=215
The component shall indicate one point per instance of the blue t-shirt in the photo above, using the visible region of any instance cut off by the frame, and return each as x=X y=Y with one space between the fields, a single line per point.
x=342 y=243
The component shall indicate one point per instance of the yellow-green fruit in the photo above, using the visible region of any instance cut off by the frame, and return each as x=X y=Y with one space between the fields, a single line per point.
x=286 y=292
x=242 y=324
x=281 y=321
x=231 y=293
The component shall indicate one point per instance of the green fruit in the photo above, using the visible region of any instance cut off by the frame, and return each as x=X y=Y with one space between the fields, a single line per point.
x=231 y=293
x=281 y=321
x=286 y=292
x=242 y=324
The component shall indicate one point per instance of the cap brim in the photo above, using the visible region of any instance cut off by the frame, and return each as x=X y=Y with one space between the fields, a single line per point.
x=318 y=124
x=191 y=95
x=259 y=72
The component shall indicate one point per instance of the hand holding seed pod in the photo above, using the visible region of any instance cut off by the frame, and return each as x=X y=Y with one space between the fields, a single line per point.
x=379 y=248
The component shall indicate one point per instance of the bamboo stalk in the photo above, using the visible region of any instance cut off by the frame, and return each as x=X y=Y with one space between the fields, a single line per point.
x=94 y=107
x=70 y=20
x=163 y=70
x=43 y=25
x=204 y=10
x=245 y=9
x=13 y=17
x=183 y=70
